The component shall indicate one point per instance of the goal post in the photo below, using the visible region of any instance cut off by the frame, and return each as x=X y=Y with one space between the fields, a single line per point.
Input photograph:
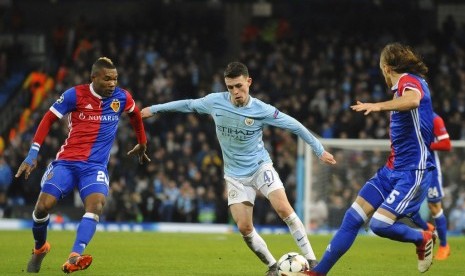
x=324 y=192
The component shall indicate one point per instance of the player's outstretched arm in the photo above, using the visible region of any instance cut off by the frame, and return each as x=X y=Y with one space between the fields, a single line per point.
x=140 y=150
x=409 y=100
x=328 y=158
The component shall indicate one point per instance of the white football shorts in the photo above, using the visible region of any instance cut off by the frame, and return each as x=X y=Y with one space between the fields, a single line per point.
x=265 y=179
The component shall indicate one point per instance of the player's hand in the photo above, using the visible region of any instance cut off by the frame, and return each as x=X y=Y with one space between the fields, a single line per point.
x=328 y=158
x=26 y=168
x=367 y=107
x=146 y=113
x=30 y=163
x=140 y=150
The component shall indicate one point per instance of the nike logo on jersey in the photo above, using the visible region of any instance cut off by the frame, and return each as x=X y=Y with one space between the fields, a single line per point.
x=218 y=115
x=89 y=106
x=299 y=239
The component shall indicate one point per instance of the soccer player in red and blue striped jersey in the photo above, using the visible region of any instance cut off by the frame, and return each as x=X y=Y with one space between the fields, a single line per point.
x=401 y=185
x=93 y=112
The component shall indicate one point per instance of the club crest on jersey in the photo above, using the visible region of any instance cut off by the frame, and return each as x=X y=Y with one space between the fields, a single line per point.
x=115 y=105
x=248 y=121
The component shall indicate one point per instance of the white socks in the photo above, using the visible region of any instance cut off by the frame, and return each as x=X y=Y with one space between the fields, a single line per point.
x=300 y=236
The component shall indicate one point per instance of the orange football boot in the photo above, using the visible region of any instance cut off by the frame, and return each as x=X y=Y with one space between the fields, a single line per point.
x=76 y=262
x=443 y=253
x=37 y=257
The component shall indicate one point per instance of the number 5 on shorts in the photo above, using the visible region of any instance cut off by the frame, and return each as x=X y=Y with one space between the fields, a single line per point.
x=392 y=196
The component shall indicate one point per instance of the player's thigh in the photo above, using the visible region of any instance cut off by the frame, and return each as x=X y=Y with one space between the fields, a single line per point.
x=280 y=203
x=93 y=179
x=409 y=192
x=242 y=213
x=58 y=180
x=375 y=190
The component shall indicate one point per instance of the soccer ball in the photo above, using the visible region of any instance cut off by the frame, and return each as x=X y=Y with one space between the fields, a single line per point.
x=292 y=264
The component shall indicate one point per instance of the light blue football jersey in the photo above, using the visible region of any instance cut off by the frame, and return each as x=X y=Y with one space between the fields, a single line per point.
x=240 y=129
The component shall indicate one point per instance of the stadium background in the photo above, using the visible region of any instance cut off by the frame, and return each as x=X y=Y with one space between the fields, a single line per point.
x=311 y=59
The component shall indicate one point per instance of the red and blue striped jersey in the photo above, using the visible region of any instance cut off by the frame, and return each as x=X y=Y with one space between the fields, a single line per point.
x=93 y=122
x=411 y=132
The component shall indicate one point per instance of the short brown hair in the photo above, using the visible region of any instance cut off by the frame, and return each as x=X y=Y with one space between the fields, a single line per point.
x=236 y=69
x=402 y=59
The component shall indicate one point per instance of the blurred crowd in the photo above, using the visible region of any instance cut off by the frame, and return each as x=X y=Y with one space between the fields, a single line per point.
x=311 y=75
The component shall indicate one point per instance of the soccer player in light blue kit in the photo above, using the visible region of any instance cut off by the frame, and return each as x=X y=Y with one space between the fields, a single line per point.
x=239 y=120
x=399 y=187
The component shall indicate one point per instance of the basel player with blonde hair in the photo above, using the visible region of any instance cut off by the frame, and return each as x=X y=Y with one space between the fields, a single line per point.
x=93 y=112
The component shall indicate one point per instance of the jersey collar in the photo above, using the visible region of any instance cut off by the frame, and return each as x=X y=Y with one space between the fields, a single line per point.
x=249 y=104
x=93 y=91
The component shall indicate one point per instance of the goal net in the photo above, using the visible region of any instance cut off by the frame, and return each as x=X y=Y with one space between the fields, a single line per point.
x=324 y=192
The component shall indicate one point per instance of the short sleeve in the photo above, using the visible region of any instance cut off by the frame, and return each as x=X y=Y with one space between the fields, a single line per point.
x=65 y=104
x=130 y=104
x=411 y=83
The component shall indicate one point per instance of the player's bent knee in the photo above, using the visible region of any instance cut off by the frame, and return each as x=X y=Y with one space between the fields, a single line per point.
x=42 y=208
x=95 y=209
x=245 y=228
x=94 y=203
x=284 y=212
x=380 y=227
x=40 y=211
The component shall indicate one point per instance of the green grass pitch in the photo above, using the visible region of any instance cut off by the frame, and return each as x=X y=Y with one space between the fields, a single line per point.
x=171 y=254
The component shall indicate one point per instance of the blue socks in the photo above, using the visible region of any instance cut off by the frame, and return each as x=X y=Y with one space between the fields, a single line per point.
x=353 y=220
x=441 y=227
x=39 y=230
x=85 y=232
x=418 y=220
x=344 y=238
x=388 y=228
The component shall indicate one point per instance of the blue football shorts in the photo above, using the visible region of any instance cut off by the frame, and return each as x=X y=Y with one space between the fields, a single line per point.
x=400 y=192
x=435 y=190
x=61 y=177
